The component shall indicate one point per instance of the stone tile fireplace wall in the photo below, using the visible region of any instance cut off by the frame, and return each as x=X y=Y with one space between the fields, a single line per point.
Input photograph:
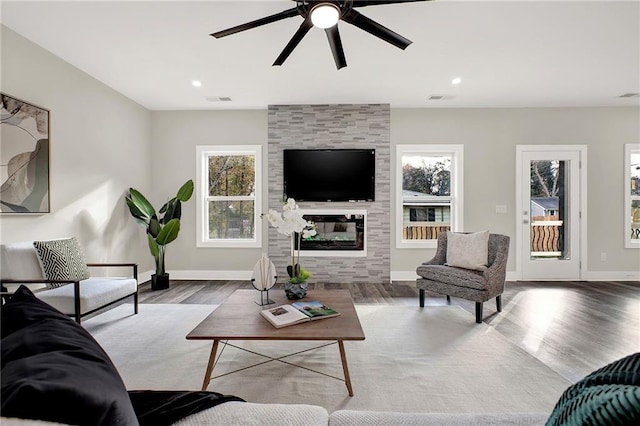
x=334 y=126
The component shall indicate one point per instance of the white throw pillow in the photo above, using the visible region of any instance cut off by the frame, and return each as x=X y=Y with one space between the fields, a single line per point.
x=469 y=251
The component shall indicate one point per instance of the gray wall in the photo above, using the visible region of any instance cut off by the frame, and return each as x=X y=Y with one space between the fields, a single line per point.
x=174 y=138
x=334 y=126
x=99 y=148
x=490 y=137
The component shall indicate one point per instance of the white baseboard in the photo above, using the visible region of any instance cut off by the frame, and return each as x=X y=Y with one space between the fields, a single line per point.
x=395 y=275
x=511 y=276
x=201 y=275
x=412 y=276
x=612 y=276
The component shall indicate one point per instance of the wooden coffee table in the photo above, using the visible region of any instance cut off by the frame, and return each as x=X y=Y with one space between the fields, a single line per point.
x=238 y=318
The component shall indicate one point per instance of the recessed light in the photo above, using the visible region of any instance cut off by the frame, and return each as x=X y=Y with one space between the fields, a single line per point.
x=196 y=83
x=456 y=80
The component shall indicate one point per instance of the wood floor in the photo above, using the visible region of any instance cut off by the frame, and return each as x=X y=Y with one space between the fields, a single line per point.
x=572 y=327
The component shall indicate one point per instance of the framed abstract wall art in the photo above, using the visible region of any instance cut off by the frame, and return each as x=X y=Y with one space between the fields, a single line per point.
x=24 y=157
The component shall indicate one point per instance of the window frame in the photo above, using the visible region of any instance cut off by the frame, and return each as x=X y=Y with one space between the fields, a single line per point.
x=203 y=152
x=630 y=148
x=456 y=198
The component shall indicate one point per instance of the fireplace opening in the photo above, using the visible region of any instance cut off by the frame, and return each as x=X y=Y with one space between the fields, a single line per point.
x=335 y=233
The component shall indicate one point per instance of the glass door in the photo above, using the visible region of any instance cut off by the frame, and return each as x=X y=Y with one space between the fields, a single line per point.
x=550 y=215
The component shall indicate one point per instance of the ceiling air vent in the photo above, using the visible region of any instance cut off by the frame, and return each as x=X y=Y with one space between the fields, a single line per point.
x=218 y=98
x=630 y=95
x=440 y=97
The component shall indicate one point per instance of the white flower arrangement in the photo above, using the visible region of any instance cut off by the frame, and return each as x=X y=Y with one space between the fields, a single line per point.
x=291 y=223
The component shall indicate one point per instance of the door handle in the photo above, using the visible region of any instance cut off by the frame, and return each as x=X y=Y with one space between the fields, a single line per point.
x=525 y=221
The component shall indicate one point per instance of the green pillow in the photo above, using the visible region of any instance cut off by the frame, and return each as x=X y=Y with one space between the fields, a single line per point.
x=609 y=396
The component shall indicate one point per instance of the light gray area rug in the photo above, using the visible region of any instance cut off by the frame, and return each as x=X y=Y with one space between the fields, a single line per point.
x=434 y=359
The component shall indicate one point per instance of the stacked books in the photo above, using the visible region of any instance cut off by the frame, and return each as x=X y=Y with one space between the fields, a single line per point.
x=295 y=313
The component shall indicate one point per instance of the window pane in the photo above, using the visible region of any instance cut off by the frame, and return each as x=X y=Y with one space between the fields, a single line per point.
x=231 y=220
x=426 y=175
x=635 y=220
x=635 y=173
x=549 y=209
x=426 y=191
x=231 y=175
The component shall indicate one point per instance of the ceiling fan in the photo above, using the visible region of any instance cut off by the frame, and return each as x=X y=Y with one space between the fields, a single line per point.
x=325 y=14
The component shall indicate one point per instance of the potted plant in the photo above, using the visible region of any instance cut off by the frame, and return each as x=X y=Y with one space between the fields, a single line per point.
x=292 y=223
x=160 y=230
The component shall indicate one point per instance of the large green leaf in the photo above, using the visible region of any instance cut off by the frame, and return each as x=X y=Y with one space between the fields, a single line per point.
x=173 y=210
x=136 y=212
x=143 y=206
x=184 y=193
x=153 y=246
x=169 y=232
x=154 y=227
x=164 y=206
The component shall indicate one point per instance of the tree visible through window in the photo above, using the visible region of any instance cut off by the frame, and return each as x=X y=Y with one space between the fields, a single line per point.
x=231 y=177
x=427 y=191
x=229 y=201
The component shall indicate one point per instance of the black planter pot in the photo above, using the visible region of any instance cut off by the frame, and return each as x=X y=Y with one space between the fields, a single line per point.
x=159 y=282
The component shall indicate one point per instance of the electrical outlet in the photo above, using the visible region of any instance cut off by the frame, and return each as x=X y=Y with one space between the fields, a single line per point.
x=501 y=208
x=603 y=257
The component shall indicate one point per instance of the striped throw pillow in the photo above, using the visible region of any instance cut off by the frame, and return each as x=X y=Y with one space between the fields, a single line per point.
x=62 y=259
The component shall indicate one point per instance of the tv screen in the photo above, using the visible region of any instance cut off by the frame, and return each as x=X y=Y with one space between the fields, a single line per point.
x=329 y=174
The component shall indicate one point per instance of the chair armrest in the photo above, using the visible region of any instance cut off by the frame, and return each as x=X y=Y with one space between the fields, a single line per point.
x=6 y=293
x=111 y=264
x=7 y=281
x=499 y=263
x=134 y=266
x=496 y=272
x=440 y=256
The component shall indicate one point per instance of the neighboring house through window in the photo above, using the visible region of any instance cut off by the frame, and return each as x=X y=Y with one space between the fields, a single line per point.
x=428 y=193
x=229 y=195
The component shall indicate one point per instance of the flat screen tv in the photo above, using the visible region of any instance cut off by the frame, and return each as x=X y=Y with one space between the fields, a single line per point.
x=330 y=174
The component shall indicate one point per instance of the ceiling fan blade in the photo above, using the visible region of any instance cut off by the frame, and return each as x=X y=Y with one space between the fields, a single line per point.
x=372 y=27
x=295 y=40
x=258 y=22
x=336 y=46
x=363 y=3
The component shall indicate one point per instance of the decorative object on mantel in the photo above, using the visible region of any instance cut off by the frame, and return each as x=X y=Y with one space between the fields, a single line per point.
x=160 y=231
x=264 y=277
x=291 y=223
x=24 y=151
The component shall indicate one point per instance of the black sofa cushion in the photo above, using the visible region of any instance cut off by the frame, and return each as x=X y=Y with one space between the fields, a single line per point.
x=54 y=370
x=163 y=408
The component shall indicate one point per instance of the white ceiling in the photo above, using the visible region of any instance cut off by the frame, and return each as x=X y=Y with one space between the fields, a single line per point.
x=508 y=53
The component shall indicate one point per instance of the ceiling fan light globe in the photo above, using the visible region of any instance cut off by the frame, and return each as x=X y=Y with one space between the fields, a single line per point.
x=325 y=15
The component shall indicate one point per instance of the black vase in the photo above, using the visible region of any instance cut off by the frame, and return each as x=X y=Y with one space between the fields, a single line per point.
x=159 y=282
x=295 y=291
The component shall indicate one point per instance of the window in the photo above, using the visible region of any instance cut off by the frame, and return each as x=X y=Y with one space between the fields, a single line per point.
x=228 y=196
x=632 y=195
x=428 y=193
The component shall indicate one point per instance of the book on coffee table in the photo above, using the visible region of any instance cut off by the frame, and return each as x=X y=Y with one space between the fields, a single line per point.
x=295 y=313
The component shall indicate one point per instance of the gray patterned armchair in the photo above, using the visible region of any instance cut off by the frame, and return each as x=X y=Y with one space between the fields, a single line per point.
x=475 y=285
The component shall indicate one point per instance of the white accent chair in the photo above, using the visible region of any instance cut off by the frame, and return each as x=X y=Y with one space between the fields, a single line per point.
x=21 y=265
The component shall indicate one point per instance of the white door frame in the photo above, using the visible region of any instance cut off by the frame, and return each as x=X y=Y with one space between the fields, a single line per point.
x=582 y=151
